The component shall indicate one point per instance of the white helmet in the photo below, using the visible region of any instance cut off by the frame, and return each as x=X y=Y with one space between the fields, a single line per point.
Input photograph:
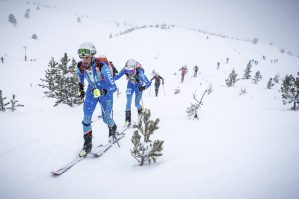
x=130 y=66
x=87 y=49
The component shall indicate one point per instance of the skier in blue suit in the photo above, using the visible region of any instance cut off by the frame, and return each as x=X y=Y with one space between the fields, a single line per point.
x=100 y=89
x=137 y=83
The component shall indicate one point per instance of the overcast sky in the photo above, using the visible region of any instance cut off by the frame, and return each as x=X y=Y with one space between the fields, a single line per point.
x=273 y=21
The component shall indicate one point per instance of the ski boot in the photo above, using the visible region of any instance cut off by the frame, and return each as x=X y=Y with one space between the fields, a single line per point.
x=112 y=134
x=128 y=118
x=87 y=144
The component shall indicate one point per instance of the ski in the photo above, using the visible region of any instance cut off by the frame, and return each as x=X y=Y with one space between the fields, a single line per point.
x=106 y=147
x=69 y=165
x=97 y=153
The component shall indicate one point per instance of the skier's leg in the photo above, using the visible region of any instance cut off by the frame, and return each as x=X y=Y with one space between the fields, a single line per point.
x=129 y=93
x=138 y=96
x=88 y=109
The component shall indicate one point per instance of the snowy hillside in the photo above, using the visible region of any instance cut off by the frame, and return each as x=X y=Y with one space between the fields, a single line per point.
x=240 y=147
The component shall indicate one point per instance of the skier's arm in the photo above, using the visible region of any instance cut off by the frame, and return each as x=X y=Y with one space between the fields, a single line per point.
x=120 y=74
x=145 y=82
x=162 y=80
x=105 y=70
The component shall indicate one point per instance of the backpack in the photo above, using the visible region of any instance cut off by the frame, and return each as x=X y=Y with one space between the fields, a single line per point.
x=99 y=63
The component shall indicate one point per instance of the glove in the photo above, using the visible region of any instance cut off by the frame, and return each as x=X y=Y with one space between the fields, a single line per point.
x=141 y=88
x=97 y=92
x=81 y=90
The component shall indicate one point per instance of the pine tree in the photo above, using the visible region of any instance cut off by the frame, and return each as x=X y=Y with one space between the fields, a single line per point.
x=67 y=83
x=146 y=150
x=290 y=90
x=14 y=104
x=2 y=103
x=257 y=77
x=27 y=13
x=50 y=78
x=12 y=19
x=247 y=71
x=62 y=81
x=270 y=83
x=232 y=79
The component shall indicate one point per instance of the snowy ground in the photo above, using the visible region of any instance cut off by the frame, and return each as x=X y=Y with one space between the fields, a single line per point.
x=241 y=146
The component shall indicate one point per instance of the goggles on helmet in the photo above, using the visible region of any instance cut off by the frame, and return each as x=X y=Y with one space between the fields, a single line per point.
x=130 y=71
x=83 y=52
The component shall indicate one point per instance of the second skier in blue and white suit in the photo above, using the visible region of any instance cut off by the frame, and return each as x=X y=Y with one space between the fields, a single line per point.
x=100 y=89
x=137 y=83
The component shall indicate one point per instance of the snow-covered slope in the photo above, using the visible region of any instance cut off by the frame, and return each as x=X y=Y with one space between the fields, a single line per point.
x=241 y=146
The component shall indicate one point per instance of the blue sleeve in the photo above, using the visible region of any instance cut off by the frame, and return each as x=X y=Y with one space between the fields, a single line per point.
x=120 y=74
x=80 y=75
x=143 y=78
x=105 y=70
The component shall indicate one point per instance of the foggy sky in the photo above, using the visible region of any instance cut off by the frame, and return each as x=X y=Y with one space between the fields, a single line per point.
x=273 y=21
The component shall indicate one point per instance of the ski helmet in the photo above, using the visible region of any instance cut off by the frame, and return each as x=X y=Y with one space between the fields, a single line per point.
x=130 y=66
x=86 y=49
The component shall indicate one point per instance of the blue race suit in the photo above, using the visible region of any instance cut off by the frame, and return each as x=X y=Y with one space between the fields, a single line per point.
x=101 y=80
x=135 y=82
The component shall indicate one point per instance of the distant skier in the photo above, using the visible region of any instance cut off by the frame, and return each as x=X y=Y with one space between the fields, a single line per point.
x=137 y=83
x=2 y=59
x=99 y=90
x=195 y=70
x=157 y=78
x=227 y=60
x=183 y=70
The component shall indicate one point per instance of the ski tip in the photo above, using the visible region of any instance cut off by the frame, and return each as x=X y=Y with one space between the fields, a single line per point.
x=55 y=173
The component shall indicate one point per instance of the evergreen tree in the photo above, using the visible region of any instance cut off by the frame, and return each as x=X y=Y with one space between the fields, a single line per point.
x=14 y=104
x=67 y=83
x=50 y=78
x=257 y=77
x=2 y=103
x=34 y=36
x=247 y=71
x=232 y=79
x=62 y=82
x=270 y=83
x=27 y=13
x=12 y=19
x=146 y=150
x=290 y=90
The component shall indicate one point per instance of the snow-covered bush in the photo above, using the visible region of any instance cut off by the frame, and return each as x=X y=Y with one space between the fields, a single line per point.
x=2 y=103
x=193 y=108
x=14 y=104
x=243 y=91
x=177 y=90
x=146 y=150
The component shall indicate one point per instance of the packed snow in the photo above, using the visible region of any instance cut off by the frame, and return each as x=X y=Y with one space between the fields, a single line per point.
x=242 y=146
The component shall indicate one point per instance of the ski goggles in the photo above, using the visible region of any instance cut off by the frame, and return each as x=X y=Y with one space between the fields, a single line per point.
x=130 y=71
x=83 y=52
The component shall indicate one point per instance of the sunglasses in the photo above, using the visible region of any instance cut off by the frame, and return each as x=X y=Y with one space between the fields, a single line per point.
x=83 y=52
